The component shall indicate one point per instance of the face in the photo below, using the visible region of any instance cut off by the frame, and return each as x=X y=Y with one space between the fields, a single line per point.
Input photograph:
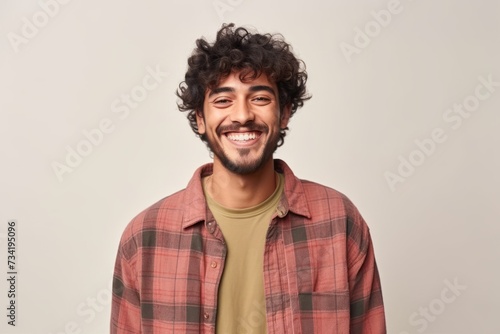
x=241 y=122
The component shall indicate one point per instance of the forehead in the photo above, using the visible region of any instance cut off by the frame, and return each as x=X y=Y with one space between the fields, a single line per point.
x=243 y=80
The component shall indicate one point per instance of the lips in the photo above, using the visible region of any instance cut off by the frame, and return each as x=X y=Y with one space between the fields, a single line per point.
x=238 y=134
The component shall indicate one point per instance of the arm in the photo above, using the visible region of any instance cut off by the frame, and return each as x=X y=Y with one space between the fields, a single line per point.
x=125 y=307
x=367 y=308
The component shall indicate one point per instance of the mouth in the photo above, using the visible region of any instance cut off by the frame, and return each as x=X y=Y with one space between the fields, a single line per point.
x=242 y=137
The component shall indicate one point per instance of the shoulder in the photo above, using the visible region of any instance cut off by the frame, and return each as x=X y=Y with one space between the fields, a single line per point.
x=165 y=214
x=173 y=212
x=328 y=204
x=316 y=192
x=325 y=200
x=314 y=200
x=151 y=216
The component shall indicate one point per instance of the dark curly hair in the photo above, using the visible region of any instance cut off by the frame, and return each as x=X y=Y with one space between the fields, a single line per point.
x=253 y=54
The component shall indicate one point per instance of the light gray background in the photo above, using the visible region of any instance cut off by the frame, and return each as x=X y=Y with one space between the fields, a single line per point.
x=440 y=225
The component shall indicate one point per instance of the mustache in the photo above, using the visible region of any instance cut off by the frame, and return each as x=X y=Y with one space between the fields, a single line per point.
x=247 y=126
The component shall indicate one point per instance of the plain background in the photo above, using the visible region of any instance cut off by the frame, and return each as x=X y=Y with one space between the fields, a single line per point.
x=439 y=223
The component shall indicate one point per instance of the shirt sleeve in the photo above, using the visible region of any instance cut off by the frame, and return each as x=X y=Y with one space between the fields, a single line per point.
x=125 y=307
x=367 y=309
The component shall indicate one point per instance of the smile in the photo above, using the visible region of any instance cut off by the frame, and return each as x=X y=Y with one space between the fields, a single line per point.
x=242 y=137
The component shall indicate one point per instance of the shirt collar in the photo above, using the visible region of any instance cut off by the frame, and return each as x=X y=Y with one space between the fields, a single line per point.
x=195 y=206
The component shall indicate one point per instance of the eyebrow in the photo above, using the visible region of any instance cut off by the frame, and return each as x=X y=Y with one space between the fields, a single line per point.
x=256 y=88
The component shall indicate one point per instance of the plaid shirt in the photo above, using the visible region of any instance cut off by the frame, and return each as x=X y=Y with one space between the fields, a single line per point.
x=320 y=274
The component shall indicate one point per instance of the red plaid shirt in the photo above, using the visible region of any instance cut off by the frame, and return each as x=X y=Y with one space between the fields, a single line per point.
x=320 y=274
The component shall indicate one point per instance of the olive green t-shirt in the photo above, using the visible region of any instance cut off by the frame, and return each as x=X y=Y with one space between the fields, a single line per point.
x=241 y=305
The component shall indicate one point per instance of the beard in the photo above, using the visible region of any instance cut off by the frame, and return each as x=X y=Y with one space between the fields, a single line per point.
x=244 y=166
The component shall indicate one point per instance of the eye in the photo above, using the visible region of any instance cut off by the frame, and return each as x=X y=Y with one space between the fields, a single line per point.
x=261 y=100
x=222 y=101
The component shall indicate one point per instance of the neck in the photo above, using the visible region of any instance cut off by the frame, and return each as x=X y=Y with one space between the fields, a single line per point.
x=237 y=191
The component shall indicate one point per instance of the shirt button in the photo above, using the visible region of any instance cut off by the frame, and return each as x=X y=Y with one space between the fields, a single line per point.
x=213 y=265
x=281 y=211
x=206 y=316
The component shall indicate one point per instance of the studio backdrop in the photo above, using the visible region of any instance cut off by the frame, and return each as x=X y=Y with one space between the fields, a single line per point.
x=404 y=120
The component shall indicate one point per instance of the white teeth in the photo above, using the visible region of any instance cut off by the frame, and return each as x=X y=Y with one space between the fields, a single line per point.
x=242 y=136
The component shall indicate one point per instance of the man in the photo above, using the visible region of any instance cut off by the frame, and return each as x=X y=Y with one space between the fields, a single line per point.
x=247 y=247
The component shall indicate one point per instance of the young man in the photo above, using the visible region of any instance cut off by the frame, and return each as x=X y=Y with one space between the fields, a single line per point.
x=247 y=247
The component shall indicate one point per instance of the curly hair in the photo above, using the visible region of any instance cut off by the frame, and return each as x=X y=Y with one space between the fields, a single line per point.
x=253 y=54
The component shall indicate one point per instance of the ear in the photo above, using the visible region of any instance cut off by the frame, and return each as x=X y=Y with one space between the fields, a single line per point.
x=200 y=121
x=285 y=116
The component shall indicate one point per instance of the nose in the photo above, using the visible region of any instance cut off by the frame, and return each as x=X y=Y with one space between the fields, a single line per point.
x=242 y=113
